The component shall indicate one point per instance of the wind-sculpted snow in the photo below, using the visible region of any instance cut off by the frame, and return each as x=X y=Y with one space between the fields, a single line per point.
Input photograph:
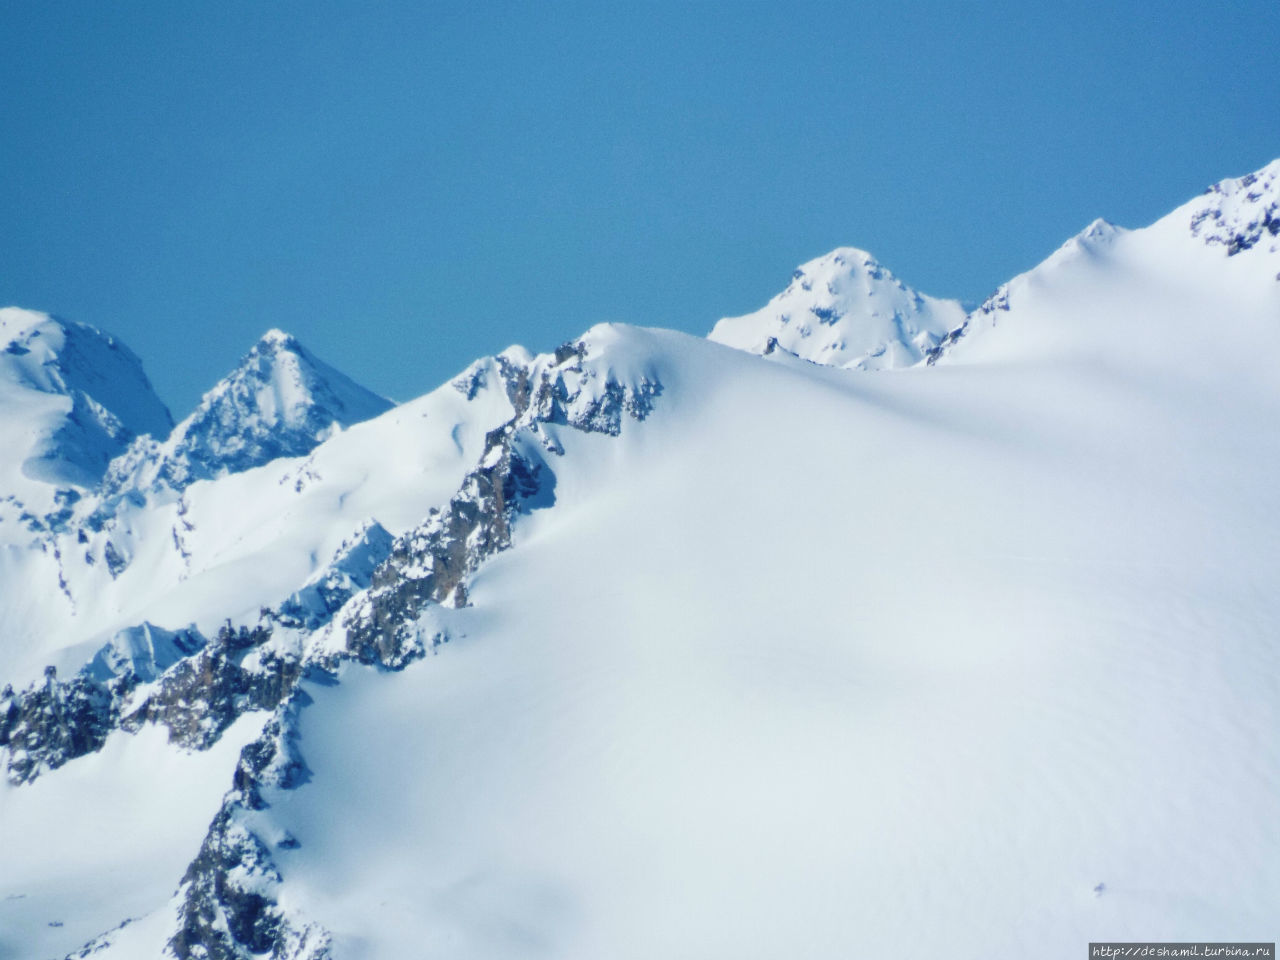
x=1089 y=250
x=350 y=571
x=144 y=652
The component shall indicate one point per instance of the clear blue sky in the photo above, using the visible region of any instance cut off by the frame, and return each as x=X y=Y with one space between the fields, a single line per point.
x=407 y=186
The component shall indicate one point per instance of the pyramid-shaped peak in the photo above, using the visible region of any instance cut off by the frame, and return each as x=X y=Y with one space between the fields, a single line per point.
x=841 y=260
x=1100 y=229
x=279 y=401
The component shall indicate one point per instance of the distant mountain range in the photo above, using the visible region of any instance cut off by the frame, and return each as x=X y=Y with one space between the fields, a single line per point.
x=868 y=625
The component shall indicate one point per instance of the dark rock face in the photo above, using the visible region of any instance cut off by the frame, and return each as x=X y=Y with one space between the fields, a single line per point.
x=429 y=564
x=199 y=697
x=228 y=895
x=225 y=912
x=56 y=721
x=116 y=563
x=228 y=908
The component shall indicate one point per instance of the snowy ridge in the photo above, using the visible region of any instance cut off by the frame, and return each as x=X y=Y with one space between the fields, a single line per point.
x=845 y=309
x=230 y=545
x=1086 y=249
x=1214 y=256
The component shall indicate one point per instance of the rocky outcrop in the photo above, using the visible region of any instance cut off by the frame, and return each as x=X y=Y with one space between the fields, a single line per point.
x=430 y=564
x=1239 y=214
x=228 y=907
x=53 y=722
x=204 y=694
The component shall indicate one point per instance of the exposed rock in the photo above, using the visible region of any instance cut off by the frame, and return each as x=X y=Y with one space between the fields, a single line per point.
x=1240 y=213
x=53 y=722
x=204 y=694
x=429 y=564
x=228 y=897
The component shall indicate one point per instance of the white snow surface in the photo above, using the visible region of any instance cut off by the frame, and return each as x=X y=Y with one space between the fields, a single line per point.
x=972 y=659
x=225 y=547
x=813 y=664
x=845 y=309
x=71 y=398
x=106 y=838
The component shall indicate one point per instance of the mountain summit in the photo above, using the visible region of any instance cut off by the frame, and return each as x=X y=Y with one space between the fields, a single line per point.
x=71 y=398
x=280 y=401
x=845 y=309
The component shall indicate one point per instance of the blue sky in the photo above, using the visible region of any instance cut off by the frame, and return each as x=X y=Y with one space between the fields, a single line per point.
x=407 y=186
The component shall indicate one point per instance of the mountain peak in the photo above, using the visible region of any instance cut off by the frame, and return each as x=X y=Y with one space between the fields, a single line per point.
x=15 y=321
x=277 y=339
x=76 y=397
x=279 y=401
x=1100 y=229
x=845 y=309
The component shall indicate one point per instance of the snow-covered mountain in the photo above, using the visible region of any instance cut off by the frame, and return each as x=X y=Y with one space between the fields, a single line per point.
x=280 y=401
x=845 y=310
x=652 y=647
x=71 y=399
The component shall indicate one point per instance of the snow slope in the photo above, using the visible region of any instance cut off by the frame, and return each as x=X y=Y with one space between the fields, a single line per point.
x=71 y=398
x=976 y=661
x=1196 y=291
x=975 y=658
x=845 y=310
x=106 y=841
